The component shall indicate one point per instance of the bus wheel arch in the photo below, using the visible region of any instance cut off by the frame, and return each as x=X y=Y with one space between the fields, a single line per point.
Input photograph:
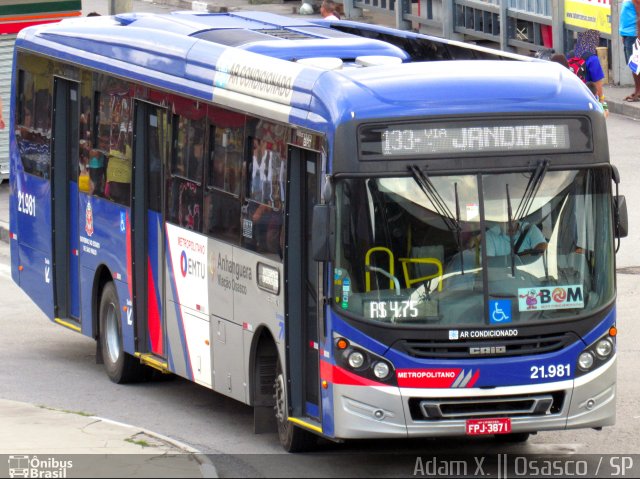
x=292 y=438
x=100 y=279
x=120 y=366
x=263 y=360
x=268 y=393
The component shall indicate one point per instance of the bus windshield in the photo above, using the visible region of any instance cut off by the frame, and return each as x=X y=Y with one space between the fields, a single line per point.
x=477 y=249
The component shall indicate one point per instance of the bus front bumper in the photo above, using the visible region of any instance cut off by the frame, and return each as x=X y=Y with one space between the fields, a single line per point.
x=386 y=412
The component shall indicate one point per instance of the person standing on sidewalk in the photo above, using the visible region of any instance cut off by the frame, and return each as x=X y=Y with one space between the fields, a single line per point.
x=586 y=45
x=629 y=29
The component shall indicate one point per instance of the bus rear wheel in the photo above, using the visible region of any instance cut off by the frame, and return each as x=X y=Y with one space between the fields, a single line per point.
x=120 y=366
x=292 y=437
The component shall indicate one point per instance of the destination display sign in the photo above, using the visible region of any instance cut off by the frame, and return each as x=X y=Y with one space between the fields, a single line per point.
x=477 y=137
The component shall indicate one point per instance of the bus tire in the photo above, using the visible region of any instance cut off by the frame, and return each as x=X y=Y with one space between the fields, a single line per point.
x=512 y=438
x=120 y=366
x=292 y=437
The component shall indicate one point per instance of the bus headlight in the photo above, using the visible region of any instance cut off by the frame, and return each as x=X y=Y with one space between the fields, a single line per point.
x=598 y=353
x=381 y=370
x=585 y=361
x=356 y=359
x=604 y=348
x=362 y=362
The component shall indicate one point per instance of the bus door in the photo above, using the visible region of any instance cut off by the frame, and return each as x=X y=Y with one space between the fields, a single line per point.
x=64 y=200
x=147 y=231
x=303 y=287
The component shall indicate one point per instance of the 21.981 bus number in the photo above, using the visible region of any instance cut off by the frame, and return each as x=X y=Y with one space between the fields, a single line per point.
x=551 y=371
x=26 y=203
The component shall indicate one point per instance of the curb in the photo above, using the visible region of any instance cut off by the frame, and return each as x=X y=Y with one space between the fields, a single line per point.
x=207 y=468
x=624 y=110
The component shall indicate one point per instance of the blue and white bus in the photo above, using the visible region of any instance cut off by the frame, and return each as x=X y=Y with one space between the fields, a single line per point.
x=401 y=236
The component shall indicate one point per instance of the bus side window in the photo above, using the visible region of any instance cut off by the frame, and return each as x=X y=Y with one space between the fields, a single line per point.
x=113 y=143
x=224 y=171
x=91 y=160
x=33 y=128
x=263 y=212
x=184 y=195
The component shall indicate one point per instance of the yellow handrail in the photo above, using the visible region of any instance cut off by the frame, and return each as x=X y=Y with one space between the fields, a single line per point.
x=407 y=275
x=367 y=262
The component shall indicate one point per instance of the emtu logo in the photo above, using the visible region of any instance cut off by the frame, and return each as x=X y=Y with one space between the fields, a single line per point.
x=183 y=264
x=192 y=267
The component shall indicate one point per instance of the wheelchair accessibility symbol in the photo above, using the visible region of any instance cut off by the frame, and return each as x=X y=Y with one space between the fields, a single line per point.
x=500 y=311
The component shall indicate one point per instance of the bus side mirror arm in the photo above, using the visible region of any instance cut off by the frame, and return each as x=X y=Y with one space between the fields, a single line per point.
x=323 y=232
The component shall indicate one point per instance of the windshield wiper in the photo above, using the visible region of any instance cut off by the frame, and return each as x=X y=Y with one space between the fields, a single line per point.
x=511 y=245
x=531 y=190
x=430 y=191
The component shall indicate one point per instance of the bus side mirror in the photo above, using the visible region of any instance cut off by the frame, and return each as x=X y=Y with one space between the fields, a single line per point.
x=323 y=232
x=621 y=218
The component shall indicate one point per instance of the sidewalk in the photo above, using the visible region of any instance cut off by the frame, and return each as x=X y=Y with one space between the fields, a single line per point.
x=88 y=446
x=615 y=95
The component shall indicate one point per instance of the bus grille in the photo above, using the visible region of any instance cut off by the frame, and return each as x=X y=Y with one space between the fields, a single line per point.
x=461 y=349
x=498 y=406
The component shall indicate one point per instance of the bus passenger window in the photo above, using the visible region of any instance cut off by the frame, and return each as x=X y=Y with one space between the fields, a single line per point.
x=184 y=199
x=34 y=143
x=263 y=214
x=222 y=200
x=188 y=152
x=91 y=162
x=113 y=144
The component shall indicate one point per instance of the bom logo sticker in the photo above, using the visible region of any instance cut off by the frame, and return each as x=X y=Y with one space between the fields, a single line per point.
x=559 y=297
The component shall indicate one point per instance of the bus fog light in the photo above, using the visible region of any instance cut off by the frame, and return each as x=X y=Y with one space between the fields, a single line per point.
x=381 y=370
x=585 y=361
x=356 y=359
x=604 y=348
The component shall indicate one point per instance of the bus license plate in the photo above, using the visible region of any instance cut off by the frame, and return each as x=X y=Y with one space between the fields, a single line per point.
x=476 y=427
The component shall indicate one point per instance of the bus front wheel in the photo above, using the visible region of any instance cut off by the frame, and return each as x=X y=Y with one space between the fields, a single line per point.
x=292 y=437
x=120 y=366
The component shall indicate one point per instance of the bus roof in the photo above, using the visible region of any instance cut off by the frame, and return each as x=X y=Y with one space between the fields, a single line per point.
x=259 y=62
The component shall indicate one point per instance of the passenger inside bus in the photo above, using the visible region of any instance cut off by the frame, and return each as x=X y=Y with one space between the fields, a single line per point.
x=525 y=238
x=96 y=171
